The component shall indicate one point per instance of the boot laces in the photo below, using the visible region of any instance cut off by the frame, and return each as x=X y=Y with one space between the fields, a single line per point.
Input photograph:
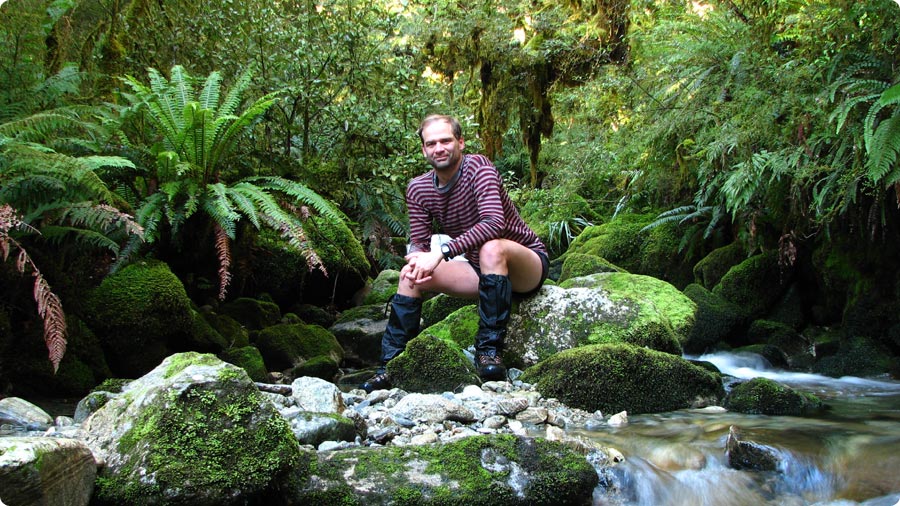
x=490 y=360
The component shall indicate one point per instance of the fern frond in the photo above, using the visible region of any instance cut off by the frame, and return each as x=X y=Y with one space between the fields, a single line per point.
x=225 y=141
x=89 y=238
x=301 y=193
x=51 y=311
x=219 y=208
x=233 y=98
x=884 y=151
x=223 y=252
x=209 y=95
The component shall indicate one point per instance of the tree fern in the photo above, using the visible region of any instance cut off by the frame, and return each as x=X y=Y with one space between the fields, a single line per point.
x=882 y=138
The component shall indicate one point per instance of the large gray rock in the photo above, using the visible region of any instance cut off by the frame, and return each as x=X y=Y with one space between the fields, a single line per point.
x=609 y=307
x=484 y=470
x=194 y=430
x=44 y=471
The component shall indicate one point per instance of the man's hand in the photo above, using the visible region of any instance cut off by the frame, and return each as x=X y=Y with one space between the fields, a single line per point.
x=420 y=266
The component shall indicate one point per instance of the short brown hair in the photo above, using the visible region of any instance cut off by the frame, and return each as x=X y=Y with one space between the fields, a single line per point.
x=454 y=125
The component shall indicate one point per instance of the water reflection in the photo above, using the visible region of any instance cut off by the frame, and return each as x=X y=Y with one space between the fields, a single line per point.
x=847 y=455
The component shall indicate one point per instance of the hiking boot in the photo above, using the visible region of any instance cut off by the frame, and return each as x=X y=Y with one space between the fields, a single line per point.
x=490 y=367
x=378 y=382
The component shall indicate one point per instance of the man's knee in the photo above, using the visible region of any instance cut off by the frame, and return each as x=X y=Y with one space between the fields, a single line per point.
x=493 y=253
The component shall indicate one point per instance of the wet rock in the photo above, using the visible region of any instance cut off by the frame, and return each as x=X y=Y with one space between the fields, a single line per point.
x=431 y=408
x=46 y=471
x=23 y=414
x=318 y=395
x=749 y=455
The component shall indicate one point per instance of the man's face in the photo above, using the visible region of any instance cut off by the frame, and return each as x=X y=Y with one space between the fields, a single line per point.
x=442 y=150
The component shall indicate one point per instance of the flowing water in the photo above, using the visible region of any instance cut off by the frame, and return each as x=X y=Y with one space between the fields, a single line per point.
x=847 y=455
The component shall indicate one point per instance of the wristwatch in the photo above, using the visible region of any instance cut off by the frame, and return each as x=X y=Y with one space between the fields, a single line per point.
x=445 y=249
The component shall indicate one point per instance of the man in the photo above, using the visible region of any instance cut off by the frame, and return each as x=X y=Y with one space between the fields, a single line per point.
x=465 y=196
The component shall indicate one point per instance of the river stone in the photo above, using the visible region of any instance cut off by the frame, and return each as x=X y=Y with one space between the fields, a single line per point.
x=749 y=455
x=21 y=413
x=194 y=430
x=316 y=428
x=431 y=408
x=315 y=394
x=44 y=471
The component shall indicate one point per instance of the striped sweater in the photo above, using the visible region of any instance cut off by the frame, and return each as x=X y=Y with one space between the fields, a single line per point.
x=471 y=210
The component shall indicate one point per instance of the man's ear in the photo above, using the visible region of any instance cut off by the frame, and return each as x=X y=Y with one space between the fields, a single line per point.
x=462 y=143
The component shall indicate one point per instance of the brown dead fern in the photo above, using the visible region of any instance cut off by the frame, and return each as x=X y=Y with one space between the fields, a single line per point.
x=223 y=250
x=48 y=304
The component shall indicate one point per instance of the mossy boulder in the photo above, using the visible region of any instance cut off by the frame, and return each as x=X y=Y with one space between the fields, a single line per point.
x=662 y=256
x=140 y=314
x=496 y=470
x=710 y=269
x=359 y=331
x=313 y=315
x=618 y=241
x=322 y=366
x=203 y=338
x=253 y=314
x=285 y=346
x=617 y=377
x=856 y=356
x=755 y=285
x=580 y=264
x=383 y=287
x=431 y=364
x=231 y=330
x=716 y=319
x=194 y=430
x=249 y=359
x=762 y=396
x=601 y=308
x=441 y=306
x=460 y=326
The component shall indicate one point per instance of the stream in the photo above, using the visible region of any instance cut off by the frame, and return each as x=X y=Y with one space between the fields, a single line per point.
x=847 y=455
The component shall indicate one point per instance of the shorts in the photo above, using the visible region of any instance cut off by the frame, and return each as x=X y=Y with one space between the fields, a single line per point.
x=545 y=272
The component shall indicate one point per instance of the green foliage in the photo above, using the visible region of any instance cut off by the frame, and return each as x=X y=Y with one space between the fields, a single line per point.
x=192 y=133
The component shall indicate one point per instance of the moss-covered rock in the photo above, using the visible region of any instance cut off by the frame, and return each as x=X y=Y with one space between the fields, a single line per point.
x=617 y=377
x=580 y=264
x=359 y=331
x=284 y=346
x=709 y=271
x=254 y=314
x=431 y=364
x=234 y=333
x=195 y=430
x=460 y=326
x=856 y=356
x=203 y=338
x=483 y=470
x=601 y=308
x=313 y=315
x=322 y=366
x=383 y=287
x=249 y=359
x=755 y=285
x=441 y=306
x=139 y=314
x=763 y=396
x=618 y=241
x=715 y=320
x=662 y=256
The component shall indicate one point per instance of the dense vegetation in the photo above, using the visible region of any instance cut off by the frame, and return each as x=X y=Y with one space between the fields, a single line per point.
x=180 y=130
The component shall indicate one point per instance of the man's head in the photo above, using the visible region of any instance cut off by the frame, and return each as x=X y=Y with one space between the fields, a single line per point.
x=442 y=142
x=453 y=122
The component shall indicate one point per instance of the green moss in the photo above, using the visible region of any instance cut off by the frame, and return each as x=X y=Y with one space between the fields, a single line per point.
x=460 y=326
x=253 y=314
x=337 y=245
x=766 y=397
x=662 y=256
x=709 y=271
x=431 y=364
x=384 y=286
x=317 y=367
x=616 y=377
x=374 y=312
x=754 y=285
x=199 y=441
x=138 y=313
x=113 y=385
x=439 y=307
x=232 y=332
x=856 y=356
x=715 y=320
x=618 y=241
x=285 y=345
x=249 y=359
x=580 y=264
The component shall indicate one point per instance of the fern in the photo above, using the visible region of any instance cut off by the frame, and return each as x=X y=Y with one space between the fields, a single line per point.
x=882 y=138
